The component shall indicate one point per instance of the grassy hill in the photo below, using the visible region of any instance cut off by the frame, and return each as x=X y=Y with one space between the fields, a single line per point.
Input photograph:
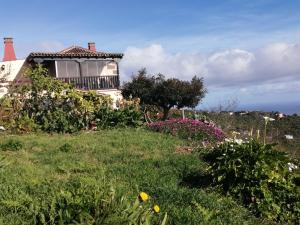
x=129 y=160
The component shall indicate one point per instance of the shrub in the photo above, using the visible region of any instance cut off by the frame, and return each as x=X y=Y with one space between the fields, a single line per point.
x=11 y=145
x=128 y=114
x=258 y=176
x=189 y=129
x=53 y=106
x=25 y=125
x=66 y=147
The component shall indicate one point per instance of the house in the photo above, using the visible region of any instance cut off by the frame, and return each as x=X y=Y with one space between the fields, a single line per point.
x=84 y=68
x=10 y=67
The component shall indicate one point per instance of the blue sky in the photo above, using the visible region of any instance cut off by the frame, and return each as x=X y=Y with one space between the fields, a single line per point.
x=237 y=45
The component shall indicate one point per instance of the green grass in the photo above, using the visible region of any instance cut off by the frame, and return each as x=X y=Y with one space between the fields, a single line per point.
x=130 y=160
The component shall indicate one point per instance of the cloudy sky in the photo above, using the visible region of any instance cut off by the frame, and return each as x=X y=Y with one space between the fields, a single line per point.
x=247 y=51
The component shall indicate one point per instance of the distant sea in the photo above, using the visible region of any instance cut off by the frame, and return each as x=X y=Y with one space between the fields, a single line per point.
x=284 y=107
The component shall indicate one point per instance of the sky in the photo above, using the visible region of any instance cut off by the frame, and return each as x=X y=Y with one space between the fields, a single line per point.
x=248 y=52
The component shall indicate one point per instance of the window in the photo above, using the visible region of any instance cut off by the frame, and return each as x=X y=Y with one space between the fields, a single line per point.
x=67 y=68
x=91 y=68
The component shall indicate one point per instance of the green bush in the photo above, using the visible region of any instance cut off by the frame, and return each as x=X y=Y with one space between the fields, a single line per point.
x=259 y=177
x=11 y=145
x=25 y=125
x=66 y=147
x=53 y=106
x=129 y=116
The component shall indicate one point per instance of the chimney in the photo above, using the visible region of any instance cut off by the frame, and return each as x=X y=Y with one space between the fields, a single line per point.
x=9 y=52
x=92 y=46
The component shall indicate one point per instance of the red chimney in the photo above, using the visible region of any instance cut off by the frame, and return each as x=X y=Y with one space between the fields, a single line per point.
x=92 y=46
x=9 y=52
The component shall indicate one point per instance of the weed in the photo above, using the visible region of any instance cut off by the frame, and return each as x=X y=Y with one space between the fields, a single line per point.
x=11 y=145
x=66 y=147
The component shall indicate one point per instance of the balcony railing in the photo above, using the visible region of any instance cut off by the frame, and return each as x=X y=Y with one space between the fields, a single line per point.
x=93 y=82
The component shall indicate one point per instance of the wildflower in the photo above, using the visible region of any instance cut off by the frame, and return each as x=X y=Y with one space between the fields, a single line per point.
x=143 y=196
x=235 y=133
x=289 y=137
x=238 y=141
x=280 y=115
x=268 y=118
x=292 y=166
x=156 y=208
x=228 y=140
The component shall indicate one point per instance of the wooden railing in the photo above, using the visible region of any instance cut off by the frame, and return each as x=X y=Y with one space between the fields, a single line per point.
x=93 y=82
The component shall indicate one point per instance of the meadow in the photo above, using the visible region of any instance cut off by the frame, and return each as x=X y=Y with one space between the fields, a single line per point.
x=128 y=161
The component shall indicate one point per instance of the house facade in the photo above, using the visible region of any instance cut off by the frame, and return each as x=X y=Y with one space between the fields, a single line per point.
x=84 y=68
x=9 y=66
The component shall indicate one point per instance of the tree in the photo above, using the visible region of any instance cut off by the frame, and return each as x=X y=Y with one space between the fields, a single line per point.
x=164 y=93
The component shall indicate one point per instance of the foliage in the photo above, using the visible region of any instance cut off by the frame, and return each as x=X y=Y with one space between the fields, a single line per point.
x=251 y=122
x=66 y=147
x=127 y=114
x=11 y=145
x=130 y=160
x=78 y=201
x=53 y=106
x=3 y=163
x=164 y=93
x=189 y=129
x=258 y=176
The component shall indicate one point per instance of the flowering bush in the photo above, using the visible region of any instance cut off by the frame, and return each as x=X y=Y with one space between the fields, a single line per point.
x=189 y=129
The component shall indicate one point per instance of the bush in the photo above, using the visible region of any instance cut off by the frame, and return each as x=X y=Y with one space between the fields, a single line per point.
x=66 y=147
x=189 y=129
x=259 y=177
x=127 y=115
x=25 y=125
x=53 y=106
x=11 y=145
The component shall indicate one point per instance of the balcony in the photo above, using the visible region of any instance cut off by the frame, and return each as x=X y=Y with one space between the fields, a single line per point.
x=93 y=82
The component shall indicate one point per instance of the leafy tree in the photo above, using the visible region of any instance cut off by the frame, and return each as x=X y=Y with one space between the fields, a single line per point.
x=164 y=93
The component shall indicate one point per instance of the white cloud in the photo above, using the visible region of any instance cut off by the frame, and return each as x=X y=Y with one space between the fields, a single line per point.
x=275 y=66
x=50 y=46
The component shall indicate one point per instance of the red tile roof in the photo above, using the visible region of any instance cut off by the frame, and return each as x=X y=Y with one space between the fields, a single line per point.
x=75 y=51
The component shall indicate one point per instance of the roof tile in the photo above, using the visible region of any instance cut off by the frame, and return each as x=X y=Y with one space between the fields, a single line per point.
x=76 y=51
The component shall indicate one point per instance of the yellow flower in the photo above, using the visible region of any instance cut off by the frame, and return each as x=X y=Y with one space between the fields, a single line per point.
x=144 y=196
x=156 y=208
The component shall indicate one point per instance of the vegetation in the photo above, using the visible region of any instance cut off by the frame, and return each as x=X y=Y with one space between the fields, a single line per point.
x=53 y=106
x=164 y=93
x=95 y=177
x=259 y=177
x=245 y=123
x=193 y=130
x=100 y=176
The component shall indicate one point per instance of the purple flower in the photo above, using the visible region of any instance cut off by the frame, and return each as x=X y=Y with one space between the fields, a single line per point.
x=189 y=129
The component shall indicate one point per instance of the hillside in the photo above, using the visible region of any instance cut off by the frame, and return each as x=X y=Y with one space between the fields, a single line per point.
x=129 y=160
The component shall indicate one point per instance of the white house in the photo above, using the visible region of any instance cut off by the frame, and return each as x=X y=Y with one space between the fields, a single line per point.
x=84 y=68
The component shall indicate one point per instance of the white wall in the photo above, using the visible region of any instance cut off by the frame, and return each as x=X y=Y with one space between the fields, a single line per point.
x=113 y=93
x=8 y=72
x=110 y=69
